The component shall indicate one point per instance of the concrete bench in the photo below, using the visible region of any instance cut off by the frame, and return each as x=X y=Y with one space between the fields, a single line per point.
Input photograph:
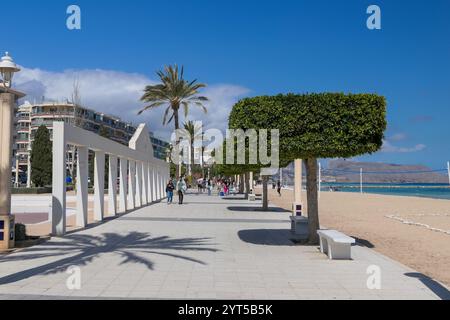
x=337 y=245
x=251 y=197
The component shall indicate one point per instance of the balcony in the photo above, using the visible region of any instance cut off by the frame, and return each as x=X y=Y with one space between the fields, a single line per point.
x=52 y=113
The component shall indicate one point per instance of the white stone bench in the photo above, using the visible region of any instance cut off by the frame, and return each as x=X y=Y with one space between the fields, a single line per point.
x=251 y=197
x=337 y=245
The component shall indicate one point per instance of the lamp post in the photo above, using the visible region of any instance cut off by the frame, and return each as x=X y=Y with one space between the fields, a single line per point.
x=8 y=99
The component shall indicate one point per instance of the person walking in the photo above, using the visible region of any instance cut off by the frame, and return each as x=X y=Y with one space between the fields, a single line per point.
x=209 y=186
x=225 y=188
x=181 y=189
x=279 y=188
x=169 y=191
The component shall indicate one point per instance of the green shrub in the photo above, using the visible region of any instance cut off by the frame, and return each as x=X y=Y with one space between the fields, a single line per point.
x=31 y=190
x=41 y=158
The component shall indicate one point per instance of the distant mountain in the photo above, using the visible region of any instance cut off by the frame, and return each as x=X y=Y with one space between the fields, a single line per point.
x=348 y=171
x=383 y=172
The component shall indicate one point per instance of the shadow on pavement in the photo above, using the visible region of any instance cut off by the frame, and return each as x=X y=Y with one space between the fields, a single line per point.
x=257 y=209
x=438 y=289
x=267 y=237
x=87 y=248
x=364 y=243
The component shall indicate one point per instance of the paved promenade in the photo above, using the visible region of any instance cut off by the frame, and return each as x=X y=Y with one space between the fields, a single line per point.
x=209 y=248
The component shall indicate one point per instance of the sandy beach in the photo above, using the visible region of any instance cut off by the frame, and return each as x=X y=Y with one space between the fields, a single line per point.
x=407 y=229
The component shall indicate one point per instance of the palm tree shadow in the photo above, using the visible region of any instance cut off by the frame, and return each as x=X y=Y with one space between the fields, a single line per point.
x=87 y=248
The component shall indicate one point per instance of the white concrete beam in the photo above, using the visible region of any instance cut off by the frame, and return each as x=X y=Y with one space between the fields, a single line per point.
x=123 y=189
x=58 y=216
x=163 y=179
x=151 y=197
x=99 y=186
x=154 y=193
x=131 y=184
x=145 y=200
x=138 y=195
x=158 y=184
x=112 y=186
x=82 y=187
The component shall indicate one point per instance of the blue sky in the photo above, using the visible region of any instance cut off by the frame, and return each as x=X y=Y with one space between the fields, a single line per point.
x=246 y=48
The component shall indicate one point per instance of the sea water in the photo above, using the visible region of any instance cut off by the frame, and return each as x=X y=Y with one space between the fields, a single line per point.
x=425 y=190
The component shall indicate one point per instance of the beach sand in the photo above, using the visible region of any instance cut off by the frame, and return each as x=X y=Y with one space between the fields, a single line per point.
x=365 y=217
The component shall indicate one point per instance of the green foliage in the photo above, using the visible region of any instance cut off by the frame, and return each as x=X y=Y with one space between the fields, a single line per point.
x=41 y=190
x=173 y=92
x=174 y=170
x=41 y=158
x=325 y=125
x=311 y=126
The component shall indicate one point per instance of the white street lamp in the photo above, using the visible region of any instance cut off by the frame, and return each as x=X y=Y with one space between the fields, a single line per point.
x=7 y=70
x=8 y=100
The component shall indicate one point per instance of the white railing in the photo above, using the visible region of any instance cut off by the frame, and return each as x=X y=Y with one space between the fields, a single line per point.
x=142 y=177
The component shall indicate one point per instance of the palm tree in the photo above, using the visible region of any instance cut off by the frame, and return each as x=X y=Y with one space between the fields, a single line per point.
x=193 y=130
x=174 y=92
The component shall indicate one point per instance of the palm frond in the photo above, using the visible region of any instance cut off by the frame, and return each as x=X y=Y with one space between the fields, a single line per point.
x=151 y=106
x=173 y=91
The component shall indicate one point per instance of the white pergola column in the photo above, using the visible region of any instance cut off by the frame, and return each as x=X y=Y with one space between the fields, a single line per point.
x=131 y=184
x=151 y=196
x=138 y=195
x=29 y=171
x=82 y=187
x=123 y=189
x=112 y=185
x=99 y=186
x=145 y=200
x=154 y=193
x=58 y=214
x=164 y=180
x=158 y=185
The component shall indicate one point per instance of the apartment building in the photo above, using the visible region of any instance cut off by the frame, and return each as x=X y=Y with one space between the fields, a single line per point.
x=29 y=117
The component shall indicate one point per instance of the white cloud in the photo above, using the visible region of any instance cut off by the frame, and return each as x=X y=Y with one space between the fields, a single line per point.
x=398 y=137
x=389 y=148
x=221 y=100
x=118 y=93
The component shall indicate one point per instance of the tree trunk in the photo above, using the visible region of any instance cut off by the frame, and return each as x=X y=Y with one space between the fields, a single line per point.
x=192 y=162
x=177 y=126
x=313 y=205
x=247 y=184
x=265 y=202
x=241 y=184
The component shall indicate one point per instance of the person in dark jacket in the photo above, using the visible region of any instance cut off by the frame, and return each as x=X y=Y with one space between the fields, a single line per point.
x=169 y=191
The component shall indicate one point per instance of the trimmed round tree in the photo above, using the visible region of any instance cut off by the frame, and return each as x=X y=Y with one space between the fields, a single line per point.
x=41 y=158
x=312 y=126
